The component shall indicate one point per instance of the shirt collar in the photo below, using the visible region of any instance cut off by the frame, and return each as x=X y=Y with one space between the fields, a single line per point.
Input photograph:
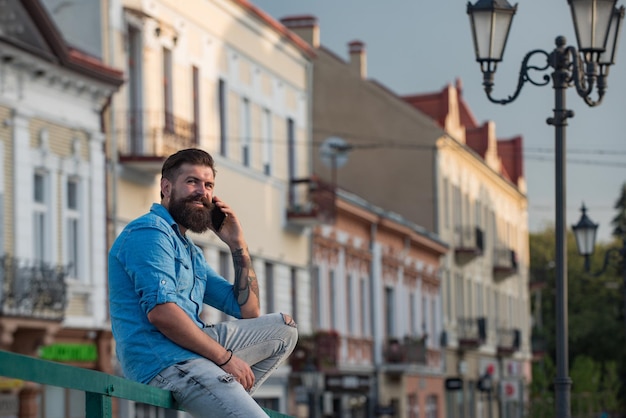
x=160 y=210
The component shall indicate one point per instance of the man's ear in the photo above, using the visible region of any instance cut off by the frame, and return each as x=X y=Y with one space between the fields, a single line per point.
x=166 y=187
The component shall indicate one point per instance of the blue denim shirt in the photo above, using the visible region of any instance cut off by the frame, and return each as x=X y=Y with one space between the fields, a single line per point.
x=151 y=263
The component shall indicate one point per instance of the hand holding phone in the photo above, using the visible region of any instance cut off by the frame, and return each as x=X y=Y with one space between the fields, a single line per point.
x=217 y=217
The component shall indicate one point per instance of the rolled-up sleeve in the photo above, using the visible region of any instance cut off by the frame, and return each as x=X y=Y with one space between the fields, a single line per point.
x=152 y=265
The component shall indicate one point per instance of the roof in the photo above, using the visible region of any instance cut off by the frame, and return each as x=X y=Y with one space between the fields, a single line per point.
x=278 y=27
x=438 y=106
x=36 y=33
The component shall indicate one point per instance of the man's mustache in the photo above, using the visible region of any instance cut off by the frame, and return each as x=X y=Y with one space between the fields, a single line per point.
x=200 y=198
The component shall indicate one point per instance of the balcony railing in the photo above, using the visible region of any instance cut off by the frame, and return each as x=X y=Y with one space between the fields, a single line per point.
x=508 y=340
x=311 y=201
x=472 y=332
x=32 y=289
x=504 y=263
x=468 y=243
x=146 y=138
x=407 y=351
x=322 y=348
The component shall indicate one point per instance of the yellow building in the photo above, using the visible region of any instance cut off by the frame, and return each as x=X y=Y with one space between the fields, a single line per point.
x=223 y=76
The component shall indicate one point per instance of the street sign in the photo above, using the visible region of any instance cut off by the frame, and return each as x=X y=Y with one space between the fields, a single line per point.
x=454 y=383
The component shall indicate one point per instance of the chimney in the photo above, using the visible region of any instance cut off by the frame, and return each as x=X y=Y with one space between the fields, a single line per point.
x=305 y=26
x=358 y=61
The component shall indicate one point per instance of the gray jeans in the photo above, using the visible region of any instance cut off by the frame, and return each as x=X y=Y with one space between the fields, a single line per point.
x=205 y=390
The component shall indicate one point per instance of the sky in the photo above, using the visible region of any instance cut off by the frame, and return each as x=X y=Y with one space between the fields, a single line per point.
x=421 y=46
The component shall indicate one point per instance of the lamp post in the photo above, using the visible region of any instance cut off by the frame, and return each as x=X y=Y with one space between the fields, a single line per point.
x=597 y=25
x=312 y=380
x=585 y=232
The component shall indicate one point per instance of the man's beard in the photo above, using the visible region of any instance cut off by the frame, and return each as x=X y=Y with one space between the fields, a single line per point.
x=188 y=215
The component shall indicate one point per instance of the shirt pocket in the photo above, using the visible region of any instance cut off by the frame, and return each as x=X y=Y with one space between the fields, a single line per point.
x=182 y=267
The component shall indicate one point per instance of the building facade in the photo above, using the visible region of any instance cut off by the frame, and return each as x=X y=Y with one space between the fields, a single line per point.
x=376 y=298
x=425 y=158
x=236 y=84
x=52 y=182
x=484 y=217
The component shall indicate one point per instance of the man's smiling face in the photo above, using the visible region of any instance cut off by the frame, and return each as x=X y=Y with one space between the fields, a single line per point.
x=190 y=197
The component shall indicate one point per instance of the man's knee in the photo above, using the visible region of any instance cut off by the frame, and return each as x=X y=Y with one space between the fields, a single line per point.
x=289 y=320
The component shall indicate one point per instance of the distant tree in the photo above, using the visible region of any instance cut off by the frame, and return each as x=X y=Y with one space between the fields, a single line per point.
x=619 y=222
x=596 y=326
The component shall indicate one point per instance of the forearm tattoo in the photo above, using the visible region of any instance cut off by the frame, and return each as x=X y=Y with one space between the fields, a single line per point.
x=245 y=278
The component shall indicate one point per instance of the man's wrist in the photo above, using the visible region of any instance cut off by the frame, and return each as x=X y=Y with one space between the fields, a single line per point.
x=227 y=358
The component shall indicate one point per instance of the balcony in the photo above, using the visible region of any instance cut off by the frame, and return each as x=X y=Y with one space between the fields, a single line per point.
x=145 y=139
x=468 y=243
x=32 y=290
x=504 y=263
x=508 y=341
x=407 y=351
x=322 y=347
x=472 y=332
x=311 y=202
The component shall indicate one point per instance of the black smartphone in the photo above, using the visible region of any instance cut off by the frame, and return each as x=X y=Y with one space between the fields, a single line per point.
x=217 y=217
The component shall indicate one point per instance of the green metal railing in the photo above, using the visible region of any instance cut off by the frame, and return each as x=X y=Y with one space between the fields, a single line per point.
x=100 y=388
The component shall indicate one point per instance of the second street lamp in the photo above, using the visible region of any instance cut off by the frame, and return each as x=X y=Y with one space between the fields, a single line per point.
x=585 y=232
x=597 y=24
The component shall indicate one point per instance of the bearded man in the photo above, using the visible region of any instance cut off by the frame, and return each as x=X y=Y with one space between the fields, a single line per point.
x=159 y=281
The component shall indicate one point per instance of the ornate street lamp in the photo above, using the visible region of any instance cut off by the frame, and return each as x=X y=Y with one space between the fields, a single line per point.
x=597 y=24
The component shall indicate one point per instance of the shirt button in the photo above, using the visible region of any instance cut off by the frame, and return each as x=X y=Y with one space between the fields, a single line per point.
x=162 y=281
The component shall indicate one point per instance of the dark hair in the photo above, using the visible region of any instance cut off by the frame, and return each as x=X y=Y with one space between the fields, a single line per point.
x=193 y=156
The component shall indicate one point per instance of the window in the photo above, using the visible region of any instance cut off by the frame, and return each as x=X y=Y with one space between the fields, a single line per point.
x=223 y=117
x=168 y=93
x=269 y=287
x=389 y=312
x=316 y=296
x=478 y=213
x=266 y=129
x=457 y=210
x=448 y=290
x=40 y=218
x=363 y=307
x=433 y=319
x=446 y=203
x=294 y=293
x=245 y=132
x=413 y=314
x=73 y=225
x=460 y=296
x=333 y=299
x=291 y=149
x=135 y=88
x=431 y=407
x=414 y=407
x=195 y=94
x=425 y=316
x=350 y=305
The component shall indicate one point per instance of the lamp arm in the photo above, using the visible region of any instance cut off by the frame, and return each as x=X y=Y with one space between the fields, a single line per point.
x=607 y=259
x=585 y=80
x=524 y=76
